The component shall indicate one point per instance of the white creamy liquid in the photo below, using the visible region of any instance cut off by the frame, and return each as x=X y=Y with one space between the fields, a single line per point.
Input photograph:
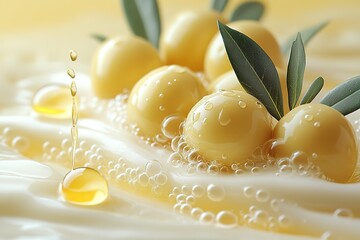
x=31 y=206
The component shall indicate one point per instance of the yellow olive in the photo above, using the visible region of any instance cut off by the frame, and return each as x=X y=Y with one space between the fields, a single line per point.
x=165 y=91
x=227 y=126
x=186 y=40
x=120 y=63
x=227 y=81
x=216 y=60
x=320 y=131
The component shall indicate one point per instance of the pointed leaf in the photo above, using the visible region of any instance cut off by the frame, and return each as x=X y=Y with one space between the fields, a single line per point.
x=254 y=69
x=306 y=34
x=295 y=71
x=313 y=90
x=341 y=91
x=144 y=19
x=218 y=5
x=349 y=104
x=98 y=37
x=252 y=10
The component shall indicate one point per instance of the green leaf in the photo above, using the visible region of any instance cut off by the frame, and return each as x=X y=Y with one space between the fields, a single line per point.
x=254 y=69
x=218 y=5
x=295 y=71
x=349 y=104
x=313 y=90
x=252 y=10
x=307 y=34
x=98 y=37
x=345 y=97
x=144 y=19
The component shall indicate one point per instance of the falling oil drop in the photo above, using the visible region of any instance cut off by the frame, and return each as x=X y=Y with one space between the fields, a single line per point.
x=84 y=185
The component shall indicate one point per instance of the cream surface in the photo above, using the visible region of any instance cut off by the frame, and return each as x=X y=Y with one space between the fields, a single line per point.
x=30 y=174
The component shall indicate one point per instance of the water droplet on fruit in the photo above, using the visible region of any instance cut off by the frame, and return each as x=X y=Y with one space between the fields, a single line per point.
x=309 y=117
x=242 y=104
x=208 y=106
x=224 y=118
x=196 y=116
x=317 y=124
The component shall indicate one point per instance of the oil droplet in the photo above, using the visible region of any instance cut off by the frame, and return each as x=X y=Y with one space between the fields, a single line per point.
x=71 y=73
x=215 y=193
x=196 y=116
x=343 y=212
x=208 y=106
x=84 y=186
x=73 y=55
x=317 y=124
x=228 y=93
x=226 y=219
x=73 y=89
x=309 y=117
x=242 y=104
x=52 y=100
x=224 y=119
x=162 y=108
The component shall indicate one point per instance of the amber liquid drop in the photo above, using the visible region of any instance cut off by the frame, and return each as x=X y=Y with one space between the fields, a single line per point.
x=83 y=185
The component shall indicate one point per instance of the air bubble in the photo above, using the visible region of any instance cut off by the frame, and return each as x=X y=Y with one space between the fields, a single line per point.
x=216 y=193
x=143 y=179
x=343 y=212
x=284 y=221
x=185 y=208
x=299 y=159
x=248 y=192
x=262 y=196
x=198 y=191
x=186 y=190
x=226 y=219
x=153 y=167
x=20 y=143
x=207 y=218
x=196 y=213
x=170 y=126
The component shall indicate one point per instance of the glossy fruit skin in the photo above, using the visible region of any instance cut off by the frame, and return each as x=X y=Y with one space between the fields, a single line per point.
x=319 y=129
x=216 y=60
x=165 y=91
x=226 y=81
x=119 y=63
x=231 y=129
x=187 y=38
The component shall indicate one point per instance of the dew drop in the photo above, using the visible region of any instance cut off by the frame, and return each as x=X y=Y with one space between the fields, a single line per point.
x=317 y=124
x=309 y=117
x=208 y=106
x=224 y=118
x=242 y=104
x=196 y=116
x=215 y=193
x=162 y=108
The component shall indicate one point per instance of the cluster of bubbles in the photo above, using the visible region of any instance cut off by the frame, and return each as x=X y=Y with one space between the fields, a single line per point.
x=185 y=200
x=264 y=213
x=9 y=138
